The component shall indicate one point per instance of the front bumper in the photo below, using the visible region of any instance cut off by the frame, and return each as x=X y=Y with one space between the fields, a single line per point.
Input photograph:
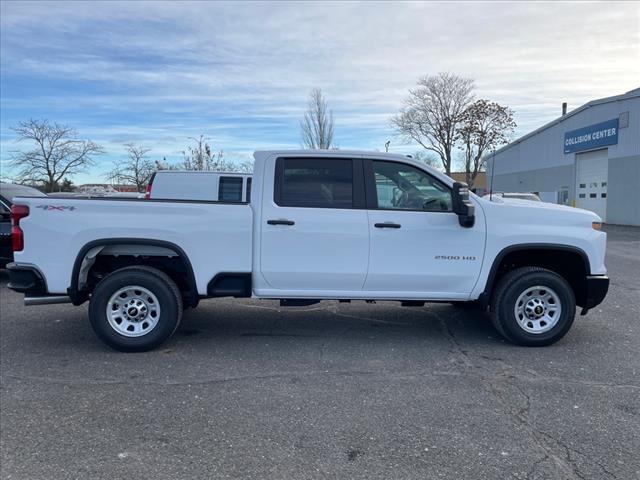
x=26 y=279
x=597 y=287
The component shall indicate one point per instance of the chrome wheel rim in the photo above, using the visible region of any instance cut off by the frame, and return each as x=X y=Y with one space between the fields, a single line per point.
x=538 y=309
x=133 y=311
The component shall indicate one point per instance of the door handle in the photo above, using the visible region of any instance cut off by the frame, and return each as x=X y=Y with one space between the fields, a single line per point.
x=280 y=222
x=387 y=225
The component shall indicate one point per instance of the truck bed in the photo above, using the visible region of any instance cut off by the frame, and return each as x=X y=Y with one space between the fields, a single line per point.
x=215 y=236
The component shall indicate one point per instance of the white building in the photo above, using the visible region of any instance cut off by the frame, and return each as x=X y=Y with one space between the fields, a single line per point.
x=588 y=158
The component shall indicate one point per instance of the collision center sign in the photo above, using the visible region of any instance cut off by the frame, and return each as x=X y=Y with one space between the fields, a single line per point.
x=593 y=136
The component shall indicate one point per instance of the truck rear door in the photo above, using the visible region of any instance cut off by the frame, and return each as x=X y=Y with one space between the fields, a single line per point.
x=315 y=232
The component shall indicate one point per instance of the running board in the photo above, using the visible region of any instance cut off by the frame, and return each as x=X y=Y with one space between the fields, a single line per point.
x=297 y=302
x=48 y=300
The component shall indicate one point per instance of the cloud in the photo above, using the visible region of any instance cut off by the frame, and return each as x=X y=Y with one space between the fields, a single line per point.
x=157 y=72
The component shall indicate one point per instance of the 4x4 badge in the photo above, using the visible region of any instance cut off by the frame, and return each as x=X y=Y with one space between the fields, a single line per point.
x=60 y=208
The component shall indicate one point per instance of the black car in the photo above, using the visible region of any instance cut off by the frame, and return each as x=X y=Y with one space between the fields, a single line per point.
x=8 y=191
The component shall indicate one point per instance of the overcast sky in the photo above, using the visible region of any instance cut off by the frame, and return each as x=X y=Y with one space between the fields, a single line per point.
x=156 y=73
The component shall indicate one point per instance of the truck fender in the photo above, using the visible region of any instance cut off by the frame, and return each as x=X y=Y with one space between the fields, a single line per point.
x=88 y=253
x=485 y=296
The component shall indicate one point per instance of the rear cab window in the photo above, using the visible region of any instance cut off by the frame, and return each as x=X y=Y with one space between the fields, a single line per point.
x=318 y=183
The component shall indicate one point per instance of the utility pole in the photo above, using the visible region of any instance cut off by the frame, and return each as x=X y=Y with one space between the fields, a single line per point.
x=493 y=170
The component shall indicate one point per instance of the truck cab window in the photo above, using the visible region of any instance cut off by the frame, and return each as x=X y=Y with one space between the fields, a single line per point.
x=403 y=187
x=319 y=183
x=230 y=189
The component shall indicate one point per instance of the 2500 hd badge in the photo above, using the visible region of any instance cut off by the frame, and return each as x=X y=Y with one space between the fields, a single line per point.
x=455 y=257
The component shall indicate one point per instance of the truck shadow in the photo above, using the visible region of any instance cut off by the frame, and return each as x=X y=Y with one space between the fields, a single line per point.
x=217 y=320
x=217 y=323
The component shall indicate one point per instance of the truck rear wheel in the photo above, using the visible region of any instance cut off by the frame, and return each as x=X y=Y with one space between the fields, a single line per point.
x=533 y=306
x=135 y=309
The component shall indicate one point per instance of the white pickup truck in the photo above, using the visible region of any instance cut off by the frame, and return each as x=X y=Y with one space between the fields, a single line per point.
x=339 y=225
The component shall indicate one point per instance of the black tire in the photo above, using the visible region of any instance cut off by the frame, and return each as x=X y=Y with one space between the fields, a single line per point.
x=506 y=294
x=156 y=282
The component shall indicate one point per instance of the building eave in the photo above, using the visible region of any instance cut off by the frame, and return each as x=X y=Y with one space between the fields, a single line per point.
x=616 y=98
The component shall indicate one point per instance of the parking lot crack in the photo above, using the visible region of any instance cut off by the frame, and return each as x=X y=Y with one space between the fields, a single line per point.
x=497 y=385
x=195 y=381
x=535 y=465
x=564 y=463
x=460 y=355
x=547 y=442
x=524 y=411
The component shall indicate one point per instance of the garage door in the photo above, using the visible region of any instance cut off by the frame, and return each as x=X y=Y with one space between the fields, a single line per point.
x=591 y=181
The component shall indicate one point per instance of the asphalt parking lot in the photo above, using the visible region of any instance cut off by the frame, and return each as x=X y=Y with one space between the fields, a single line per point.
x=251 y=390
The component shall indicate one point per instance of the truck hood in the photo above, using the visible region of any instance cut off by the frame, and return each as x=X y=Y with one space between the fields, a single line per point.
x=551 y=211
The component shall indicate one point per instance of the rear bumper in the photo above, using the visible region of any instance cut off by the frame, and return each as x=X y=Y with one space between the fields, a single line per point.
x=6 y=254
x=597 y=287
x=26 y=279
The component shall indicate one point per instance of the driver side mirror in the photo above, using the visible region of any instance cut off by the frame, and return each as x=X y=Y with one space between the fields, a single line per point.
x=462 y=206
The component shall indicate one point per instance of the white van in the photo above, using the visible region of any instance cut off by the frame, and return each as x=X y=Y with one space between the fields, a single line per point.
x=192 y=185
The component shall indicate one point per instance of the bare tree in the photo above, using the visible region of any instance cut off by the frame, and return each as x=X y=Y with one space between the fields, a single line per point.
x=428 y=159
x=199 y=157
x=484 y=126
x=244 y=167
x=135 y=170
x=57 y=153
x=432 y=112
x=317 y=125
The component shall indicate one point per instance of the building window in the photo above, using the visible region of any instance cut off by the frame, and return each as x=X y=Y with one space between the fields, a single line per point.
x=563 y=197
x=583 y=185
x=603 y=195
x=593 y=195
x=623 y=120
x=582 y=195
x=603 y=184
x=593 y=184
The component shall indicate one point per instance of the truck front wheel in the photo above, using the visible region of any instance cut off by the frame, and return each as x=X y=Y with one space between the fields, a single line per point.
x=135 y=309
x=533 y=306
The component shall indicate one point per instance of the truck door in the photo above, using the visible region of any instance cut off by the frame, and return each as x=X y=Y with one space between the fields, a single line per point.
x=418 y=248
x=315 y=232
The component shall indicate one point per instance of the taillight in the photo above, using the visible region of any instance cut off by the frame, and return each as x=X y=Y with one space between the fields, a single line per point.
x=147 y=193
x=17 y=236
